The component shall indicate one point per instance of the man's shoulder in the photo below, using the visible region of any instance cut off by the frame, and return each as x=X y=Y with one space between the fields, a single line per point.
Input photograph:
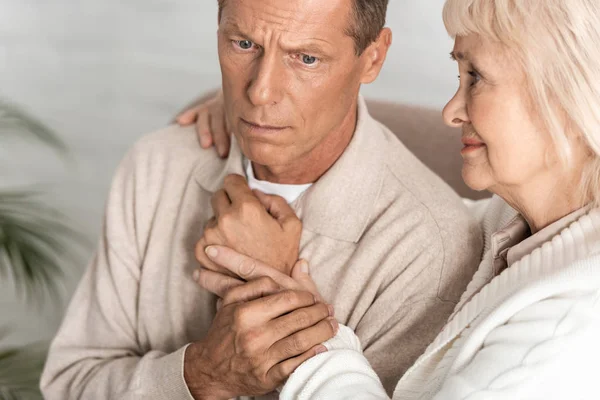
x=407 y=177
x=172 y=152
x=173 y=144
x=420 y=203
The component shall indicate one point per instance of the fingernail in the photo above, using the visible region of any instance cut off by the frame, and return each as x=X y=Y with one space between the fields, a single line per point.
x=320 y=349
x=331 y=310
x=334 y=325
x=304 y=267
x=196 y=275
x=211 y=251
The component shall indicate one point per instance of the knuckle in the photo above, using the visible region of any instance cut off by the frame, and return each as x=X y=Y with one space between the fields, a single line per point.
x=228 y=298
x=269 y=284
x=296 y=224
x=239 y=315
x=248 y=209
x=290 y=297
x=302 y=319
x=298 y=344
x=225 y=220
x=285 y=370
x=322 y=310
x=248 y=342
x=231 y=179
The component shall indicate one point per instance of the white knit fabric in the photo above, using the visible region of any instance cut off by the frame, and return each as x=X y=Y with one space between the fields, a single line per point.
x=289 y=192
x=533 y=332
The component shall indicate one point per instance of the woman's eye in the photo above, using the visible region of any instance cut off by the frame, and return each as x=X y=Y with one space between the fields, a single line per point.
x=309 y=60
x=244 y=44
x=476 y=77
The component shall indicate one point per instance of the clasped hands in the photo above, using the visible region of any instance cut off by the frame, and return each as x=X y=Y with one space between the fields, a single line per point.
x=271 y=317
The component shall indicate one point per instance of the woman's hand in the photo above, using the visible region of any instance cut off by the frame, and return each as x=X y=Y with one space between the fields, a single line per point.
x=211 y=123
x=248 y=269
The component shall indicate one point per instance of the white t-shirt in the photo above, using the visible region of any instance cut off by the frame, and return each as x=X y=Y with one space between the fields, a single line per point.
x=288 y=192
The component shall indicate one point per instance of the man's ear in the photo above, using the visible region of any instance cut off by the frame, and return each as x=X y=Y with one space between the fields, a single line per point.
x=374 y=56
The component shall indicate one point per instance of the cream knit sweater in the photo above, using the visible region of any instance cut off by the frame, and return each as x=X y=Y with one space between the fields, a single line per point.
x=533 y=332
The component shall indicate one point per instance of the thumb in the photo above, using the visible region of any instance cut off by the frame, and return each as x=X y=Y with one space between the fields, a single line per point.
x=276 y=206
x=301 y=274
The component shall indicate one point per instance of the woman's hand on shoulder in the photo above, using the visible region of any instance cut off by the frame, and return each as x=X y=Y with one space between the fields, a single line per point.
x=211 y=124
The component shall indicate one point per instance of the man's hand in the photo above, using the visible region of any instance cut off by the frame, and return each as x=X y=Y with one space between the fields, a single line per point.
x=260 y=226
x=258 y=338
x=211 y=123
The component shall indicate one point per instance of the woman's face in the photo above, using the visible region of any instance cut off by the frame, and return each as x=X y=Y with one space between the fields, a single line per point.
x=504 y=144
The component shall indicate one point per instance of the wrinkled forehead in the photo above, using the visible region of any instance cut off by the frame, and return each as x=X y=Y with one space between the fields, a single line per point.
x=484 y=53
x=321 y=20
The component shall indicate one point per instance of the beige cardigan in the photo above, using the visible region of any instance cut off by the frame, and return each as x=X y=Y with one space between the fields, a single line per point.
x=529 y=333
x=390 y=245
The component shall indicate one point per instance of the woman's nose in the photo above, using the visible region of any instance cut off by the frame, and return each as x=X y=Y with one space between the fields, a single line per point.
x=455 y=113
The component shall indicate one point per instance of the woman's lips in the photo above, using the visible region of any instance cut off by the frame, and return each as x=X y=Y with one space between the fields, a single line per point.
x=471 y=145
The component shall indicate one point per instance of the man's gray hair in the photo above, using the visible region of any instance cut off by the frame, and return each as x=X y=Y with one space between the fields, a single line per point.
x=368 y=21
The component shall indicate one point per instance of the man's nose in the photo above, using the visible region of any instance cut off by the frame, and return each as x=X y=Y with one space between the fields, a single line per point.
x=267 y=85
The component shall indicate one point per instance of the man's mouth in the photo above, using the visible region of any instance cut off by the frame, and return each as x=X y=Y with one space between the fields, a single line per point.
x=258 y=126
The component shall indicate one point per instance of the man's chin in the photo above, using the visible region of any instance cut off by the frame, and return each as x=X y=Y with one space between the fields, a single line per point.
x=266 y=154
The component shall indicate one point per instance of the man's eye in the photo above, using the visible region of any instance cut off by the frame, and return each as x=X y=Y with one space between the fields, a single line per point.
x=309 y=60
x=244 y=44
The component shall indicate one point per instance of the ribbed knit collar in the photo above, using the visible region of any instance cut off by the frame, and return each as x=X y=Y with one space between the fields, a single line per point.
x=579 y=241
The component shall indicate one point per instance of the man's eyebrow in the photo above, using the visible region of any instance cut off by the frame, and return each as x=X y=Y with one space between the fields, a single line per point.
x=306 y=48
x=232 y=27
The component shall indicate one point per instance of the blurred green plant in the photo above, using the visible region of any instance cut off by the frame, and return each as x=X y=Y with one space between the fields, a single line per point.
x=35 y=245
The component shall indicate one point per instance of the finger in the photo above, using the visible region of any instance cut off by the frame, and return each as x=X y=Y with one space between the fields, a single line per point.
x=238 y=190
x=189 y=116
x=300 y=319
x=206 y=262
x=246 y=267
x=215 y=282
x=220 y=202
x=220 y=134
x=300 y=342
x=301 y=274
x=275 y=305
x=210 y=224
x=276 y=206
x=251 y=291
x=282 y=370
x=203 y=128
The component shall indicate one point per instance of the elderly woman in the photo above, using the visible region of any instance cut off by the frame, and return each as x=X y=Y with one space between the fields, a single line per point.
x=527 y=327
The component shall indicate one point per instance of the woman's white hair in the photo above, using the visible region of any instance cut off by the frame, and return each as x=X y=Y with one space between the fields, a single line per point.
x=558 y=44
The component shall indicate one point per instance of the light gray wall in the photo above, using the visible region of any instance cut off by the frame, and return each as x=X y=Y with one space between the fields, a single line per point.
x=104 y=72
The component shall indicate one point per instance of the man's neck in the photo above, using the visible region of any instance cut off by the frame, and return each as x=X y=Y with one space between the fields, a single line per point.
x=310 y=167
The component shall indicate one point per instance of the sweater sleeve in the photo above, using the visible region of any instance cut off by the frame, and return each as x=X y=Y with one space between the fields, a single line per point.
x=96 y=353
x=548 y=350
x=342 y=372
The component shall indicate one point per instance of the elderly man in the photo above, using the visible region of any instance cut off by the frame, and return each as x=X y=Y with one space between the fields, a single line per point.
x=389 y=244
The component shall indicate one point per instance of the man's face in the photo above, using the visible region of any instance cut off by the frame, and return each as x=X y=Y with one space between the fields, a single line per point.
x=291 y=75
